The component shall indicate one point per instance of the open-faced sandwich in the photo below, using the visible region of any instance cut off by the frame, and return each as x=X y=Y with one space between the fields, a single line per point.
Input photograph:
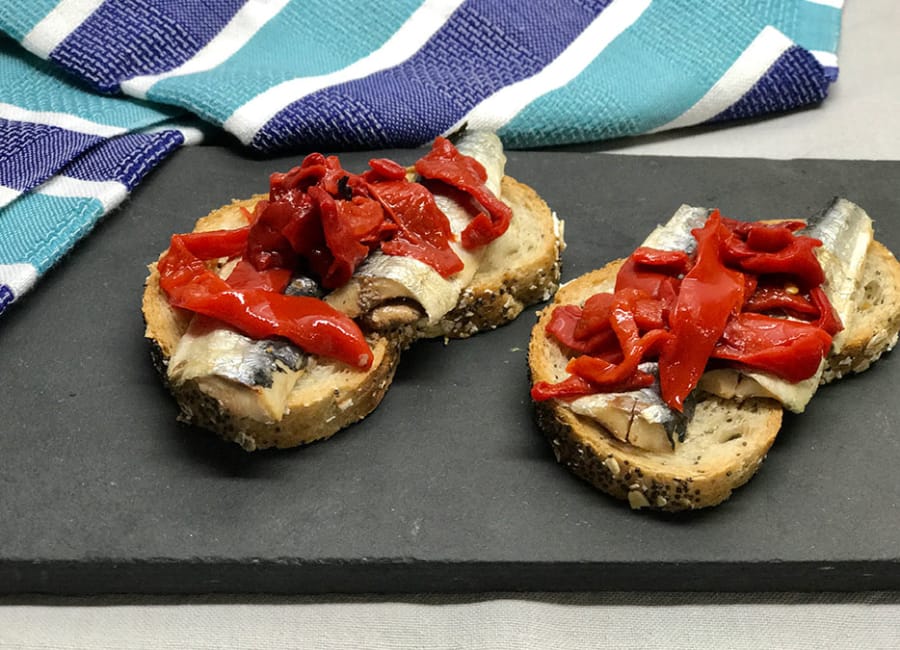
x=661 y=378
x=281 y=318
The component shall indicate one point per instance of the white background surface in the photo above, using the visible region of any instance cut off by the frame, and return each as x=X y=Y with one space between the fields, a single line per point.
x=860 y=120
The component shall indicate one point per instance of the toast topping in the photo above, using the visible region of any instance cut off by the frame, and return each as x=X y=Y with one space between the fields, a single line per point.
x=323 y=222
x=383 y=278
x=257 y=307
x=749 y=296
x=326 y=256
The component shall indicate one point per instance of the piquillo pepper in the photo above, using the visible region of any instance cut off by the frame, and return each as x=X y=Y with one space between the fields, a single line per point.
x=709 y=294
x=445 y=163
x=259 y=311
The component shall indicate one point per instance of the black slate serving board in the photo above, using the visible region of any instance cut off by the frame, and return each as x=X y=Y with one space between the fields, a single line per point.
x=448 y=486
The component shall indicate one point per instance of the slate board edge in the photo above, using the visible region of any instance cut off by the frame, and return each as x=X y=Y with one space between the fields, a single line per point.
x=288 y=577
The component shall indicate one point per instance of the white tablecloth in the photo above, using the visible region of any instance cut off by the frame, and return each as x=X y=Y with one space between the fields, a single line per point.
x=860 y=120
x=501 y=621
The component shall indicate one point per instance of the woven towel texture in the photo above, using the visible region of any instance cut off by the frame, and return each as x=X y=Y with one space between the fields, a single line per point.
x=94 y=94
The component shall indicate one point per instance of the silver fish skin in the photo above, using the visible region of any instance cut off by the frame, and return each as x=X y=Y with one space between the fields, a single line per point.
x=209 y=348
x=846 y=232
x=251 y=377
x=664 y=425
x=675 y=234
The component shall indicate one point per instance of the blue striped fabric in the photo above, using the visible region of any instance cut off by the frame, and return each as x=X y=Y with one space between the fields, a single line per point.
x=114 y=43
x=39 y=227
x=44 y=148
x=495 y=47
x=95 y=93
x=293 y=47
x=788 y=83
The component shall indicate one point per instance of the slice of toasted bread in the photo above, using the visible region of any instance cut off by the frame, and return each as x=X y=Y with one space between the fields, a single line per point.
x=520 y=268
x=726 y=441
x=724 y=444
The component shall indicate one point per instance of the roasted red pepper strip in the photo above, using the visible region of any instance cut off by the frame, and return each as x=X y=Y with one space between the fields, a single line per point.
x=571 y=386
x=660 y=282
x=423 y=230
x=385 y=169
x=211 y=244
x=791 y=349
x=267 y=245
x=444 y=163
x=710 y=294
x=351 y=228
x=795 y=259
x=828 y=319
x=615 y=377
x=283 y=185
x=775 y=298
x=670 y=262
x=563 y=323
x=595 y=316
x=635 y=347
x=312 y=324
x=574 y=386
x=246 y=276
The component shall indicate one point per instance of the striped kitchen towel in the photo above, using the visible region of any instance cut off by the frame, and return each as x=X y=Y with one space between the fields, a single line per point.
x=95 y=93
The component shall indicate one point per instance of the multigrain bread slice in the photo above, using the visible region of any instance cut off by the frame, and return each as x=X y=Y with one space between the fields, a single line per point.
x=723 y=447
x=520 y=268
x=726 y=441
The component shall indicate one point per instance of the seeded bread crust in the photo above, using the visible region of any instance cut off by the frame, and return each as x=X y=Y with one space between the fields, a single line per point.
x=726 y=441
x=519 y=269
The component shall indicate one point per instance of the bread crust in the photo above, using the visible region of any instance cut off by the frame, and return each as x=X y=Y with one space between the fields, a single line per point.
x=332 y=396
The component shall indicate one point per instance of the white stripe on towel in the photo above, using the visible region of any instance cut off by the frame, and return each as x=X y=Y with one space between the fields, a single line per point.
x=749 y=67
x=246 y=120
x=57 y=25
x=109 y=193
x=18 y=277
x=8 y=195
x=62 y=120
x=240 y=29
x=501 y=107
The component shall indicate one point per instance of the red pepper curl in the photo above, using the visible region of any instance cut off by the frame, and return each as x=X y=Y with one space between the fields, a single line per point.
x=259 y=312
x=445 y=163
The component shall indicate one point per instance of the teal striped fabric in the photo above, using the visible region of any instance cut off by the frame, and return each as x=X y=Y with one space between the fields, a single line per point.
x=95 y=93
